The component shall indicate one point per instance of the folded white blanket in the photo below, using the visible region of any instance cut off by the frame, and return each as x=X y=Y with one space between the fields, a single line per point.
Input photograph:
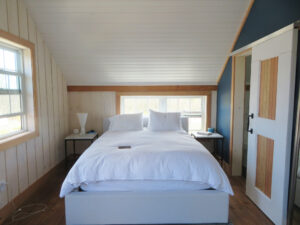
x=152 y=156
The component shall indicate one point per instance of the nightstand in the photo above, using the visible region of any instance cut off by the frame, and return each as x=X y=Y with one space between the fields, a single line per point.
x=215 y=137
x=78 y=137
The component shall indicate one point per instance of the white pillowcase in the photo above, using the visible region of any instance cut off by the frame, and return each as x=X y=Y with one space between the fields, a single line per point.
x=159 y=121
x=126 y=122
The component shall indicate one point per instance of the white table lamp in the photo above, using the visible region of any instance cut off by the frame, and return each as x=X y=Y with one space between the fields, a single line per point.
x=82 y=120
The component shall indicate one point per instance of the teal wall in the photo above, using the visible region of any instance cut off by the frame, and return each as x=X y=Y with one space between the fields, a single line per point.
x=265 y=17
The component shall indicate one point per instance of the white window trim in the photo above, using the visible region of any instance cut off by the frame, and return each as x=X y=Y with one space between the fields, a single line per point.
x=19 y=73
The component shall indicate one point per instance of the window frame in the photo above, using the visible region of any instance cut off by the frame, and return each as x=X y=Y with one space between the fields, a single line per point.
x=175 y=93
x=20 y=75
x=28 y=90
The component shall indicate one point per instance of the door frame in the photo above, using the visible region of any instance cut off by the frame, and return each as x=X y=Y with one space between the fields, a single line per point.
x=231 y=168
x=237 y=108
x=296 y=148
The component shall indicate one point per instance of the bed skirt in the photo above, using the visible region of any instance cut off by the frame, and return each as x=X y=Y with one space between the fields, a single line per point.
x=147 y=207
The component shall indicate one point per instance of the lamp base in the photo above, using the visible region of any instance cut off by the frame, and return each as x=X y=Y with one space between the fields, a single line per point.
x=82 y=131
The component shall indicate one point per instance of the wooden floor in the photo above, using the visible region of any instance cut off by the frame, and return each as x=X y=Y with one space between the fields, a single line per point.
x=242 y=210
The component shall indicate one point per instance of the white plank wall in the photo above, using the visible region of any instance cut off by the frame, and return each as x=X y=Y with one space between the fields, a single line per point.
x=103 y=104
x=22 y=165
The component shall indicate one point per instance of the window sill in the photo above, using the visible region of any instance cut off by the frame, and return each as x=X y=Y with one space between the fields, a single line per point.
x=17 y=139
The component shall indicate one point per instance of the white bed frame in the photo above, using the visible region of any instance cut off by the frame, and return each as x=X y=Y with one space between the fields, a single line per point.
x=147 y=207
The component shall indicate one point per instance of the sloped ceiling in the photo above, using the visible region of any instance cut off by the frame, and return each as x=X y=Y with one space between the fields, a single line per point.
x=121 y=42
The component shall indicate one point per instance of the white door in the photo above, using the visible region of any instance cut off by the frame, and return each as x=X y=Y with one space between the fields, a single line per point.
x=271 y=102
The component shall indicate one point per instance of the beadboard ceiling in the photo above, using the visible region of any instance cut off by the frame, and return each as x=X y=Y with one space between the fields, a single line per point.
x=121 y=42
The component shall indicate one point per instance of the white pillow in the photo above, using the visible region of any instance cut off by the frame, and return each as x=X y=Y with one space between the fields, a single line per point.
x=126 y=122
x=159 y=121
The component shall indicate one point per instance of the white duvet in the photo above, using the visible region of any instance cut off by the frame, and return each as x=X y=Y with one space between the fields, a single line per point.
x=153 y=156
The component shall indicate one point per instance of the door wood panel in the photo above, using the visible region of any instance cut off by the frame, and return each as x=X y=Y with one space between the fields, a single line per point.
x=264 y=164
x=268 y=88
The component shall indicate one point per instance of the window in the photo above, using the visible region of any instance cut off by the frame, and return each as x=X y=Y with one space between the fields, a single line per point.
x=12 y=113
x=193 y=107
x=18 y=94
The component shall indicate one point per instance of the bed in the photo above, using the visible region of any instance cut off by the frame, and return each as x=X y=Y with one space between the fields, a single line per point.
x=164 y=178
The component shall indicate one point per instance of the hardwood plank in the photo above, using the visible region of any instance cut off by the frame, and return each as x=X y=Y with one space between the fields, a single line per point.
x=169 y=88
x=268 y=88
x=30 y=193
x=3 y=15
x=23 y=25
x=22 y=167
x=12 y=15
x=264 y=164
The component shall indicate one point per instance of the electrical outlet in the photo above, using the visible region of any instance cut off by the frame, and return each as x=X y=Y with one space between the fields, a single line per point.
x=2 y=185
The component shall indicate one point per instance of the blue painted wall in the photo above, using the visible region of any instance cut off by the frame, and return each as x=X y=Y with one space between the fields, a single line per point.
x=223 y=108
x=266 y=16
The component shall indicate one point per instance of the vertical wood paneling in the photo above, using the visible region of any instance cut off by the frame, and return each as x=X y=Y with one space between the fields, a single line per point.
x=39 y=156
x=12 y=15
x=66 y=108
x=38 y=141
x=264 y=164
x=23 y=28
x=4 y=194
x=24 y=164
x=50 y=106
x=43 y=101
x=12 y=172
x=31 y=31
x=55 y=109
x=61 y=114
x=268 y=88
x=90 y=102
x=31 y=161
x=3 y=15
x=22 y=167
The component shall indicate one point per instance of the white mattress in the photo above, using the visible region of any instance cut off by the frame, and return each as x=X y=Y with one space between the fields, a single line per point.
x=145 y=185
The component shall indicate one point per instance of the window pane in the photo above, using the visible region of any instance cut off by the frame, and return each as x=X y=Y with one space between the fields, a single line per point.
x=3 y=81
x=14 y=82
x=10 y=125
x=15 y=101
x=196 y=105
x=172 y=105
x=184 y=105
x=10 y=62
x=4 y=106
x=1 y=59
x=140 y=104
x=195 y=124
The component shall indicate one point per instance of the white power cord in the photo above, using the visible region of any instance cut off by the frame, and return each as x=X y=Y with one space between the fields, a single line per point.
x=25 y=211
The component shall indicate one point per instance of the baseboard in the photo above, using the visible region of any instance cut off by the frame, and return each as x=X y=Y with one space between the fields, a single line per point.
x=8 y=209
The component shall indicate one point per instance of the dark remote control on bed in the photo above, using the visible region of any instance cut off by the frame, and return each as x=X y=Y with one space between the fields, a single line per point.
x=124 y=147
